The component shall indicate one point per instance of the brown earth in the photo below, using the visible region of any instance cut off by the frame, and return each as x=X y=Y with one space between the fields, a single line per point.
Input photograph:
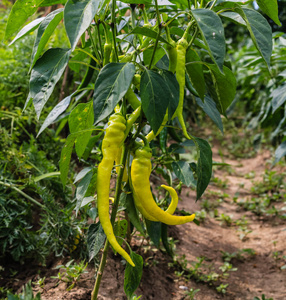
x=257 y=273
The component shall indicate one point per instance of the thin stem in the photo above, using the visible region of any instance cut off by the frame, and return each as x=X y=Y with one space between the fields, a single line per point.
x=213 y=4
x=144 y=139
x=93 y=45
x=90 y=55
x=193 y=37
x=155 y=47
x=187 y=31
x=23 y=194
x=113 y=26
x=113 y=216
x=99 y=39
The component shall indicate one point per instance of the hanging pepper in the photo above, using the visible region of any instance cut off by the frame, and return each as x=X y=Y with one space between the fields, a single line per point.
x=182 y=46
x=140 y=173
x=110 y=145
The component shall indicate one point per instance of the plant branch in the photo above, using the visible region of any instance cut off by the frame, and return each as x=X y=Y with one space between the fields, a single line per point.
x=113 y=27
x=23 y=194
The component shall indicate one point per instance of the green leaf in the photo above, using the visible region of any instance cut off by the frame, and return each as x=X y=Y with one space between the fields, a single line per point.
x=280 y=152
x=147 y=55
x=184 y=172
x=209 y=107
x=45 y=74
x=81 y=118
x=55 y=112
x=278 y=97
x=66 y=158
x=270 y=8
x=224 y=87
x=78 y=15
x=132 y=275
x=95 y=239
x=27 y=29
x=173 y=90
x=164 y=237
x=45 y=30
x=81 y=190
x=132 y=212
x=148 y=33
x=195 y=72
x=154 y=98
x=110 y=87
x=120 y=229
x=154 y=231
x=82 y=173
x=211 y=28
x=260 y=31
x=47 y=175
x=204 y=165
x=20 y=12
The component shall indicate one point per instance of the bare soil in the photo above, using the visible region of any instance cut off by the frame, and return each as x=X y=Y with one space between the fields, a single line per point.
x=256 y=274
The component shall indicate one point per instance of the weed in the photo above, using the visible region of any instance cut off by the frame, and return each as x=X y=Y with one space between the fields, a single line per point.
x=239 y=255
x=262 y=298
x=225 y=220
x=222 y=288
x=190 y=294
x=71 y=274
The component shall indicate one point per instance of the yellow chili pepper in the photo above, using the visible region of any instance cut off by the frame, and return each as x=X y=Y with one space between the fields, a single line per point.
x=110 y=145
x=140 y=173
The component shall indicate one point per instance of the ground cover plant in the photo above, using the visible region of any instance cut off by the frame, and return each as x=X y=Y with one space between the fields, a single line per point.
x=146 y=64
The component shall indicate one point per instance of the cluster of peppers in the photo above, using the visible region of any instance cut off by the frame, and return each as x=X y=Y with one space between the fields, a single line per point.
x=116 y=133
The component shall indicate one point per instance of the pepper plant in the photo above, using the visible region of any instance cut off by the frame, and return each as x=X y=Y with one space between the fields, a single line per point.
x=143 y=60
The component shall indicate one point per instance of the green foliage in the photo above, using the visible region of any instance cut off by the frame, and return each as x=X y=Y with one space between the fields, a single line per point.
x=71 y=273
x=27 y=294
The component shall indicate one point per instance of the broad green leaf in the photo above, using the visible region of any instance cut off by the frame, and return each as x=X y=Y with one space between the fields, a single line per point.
x=27 y=29
x=280 y=152
x=154 y=98
x=270 y=8
x=55 y=112
x=224 y=87
x=212 y=32
x=110 y=87
x=20 y=12
x=209 y=107
x=45 y=30
x=81 y=190
x=173 y=90
x=184 y=172
x=82 y=173
x=260 y=31
x=234 y=17
x=204 y=165
x=195 y=72
x=278 y=97
x=66 y=157
x=45 y=74
x=132 y=212
x=77 y=17
x=132 y=275
x=154 y=231
x=95 y=239
x=147 y=55
x=81 y=118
